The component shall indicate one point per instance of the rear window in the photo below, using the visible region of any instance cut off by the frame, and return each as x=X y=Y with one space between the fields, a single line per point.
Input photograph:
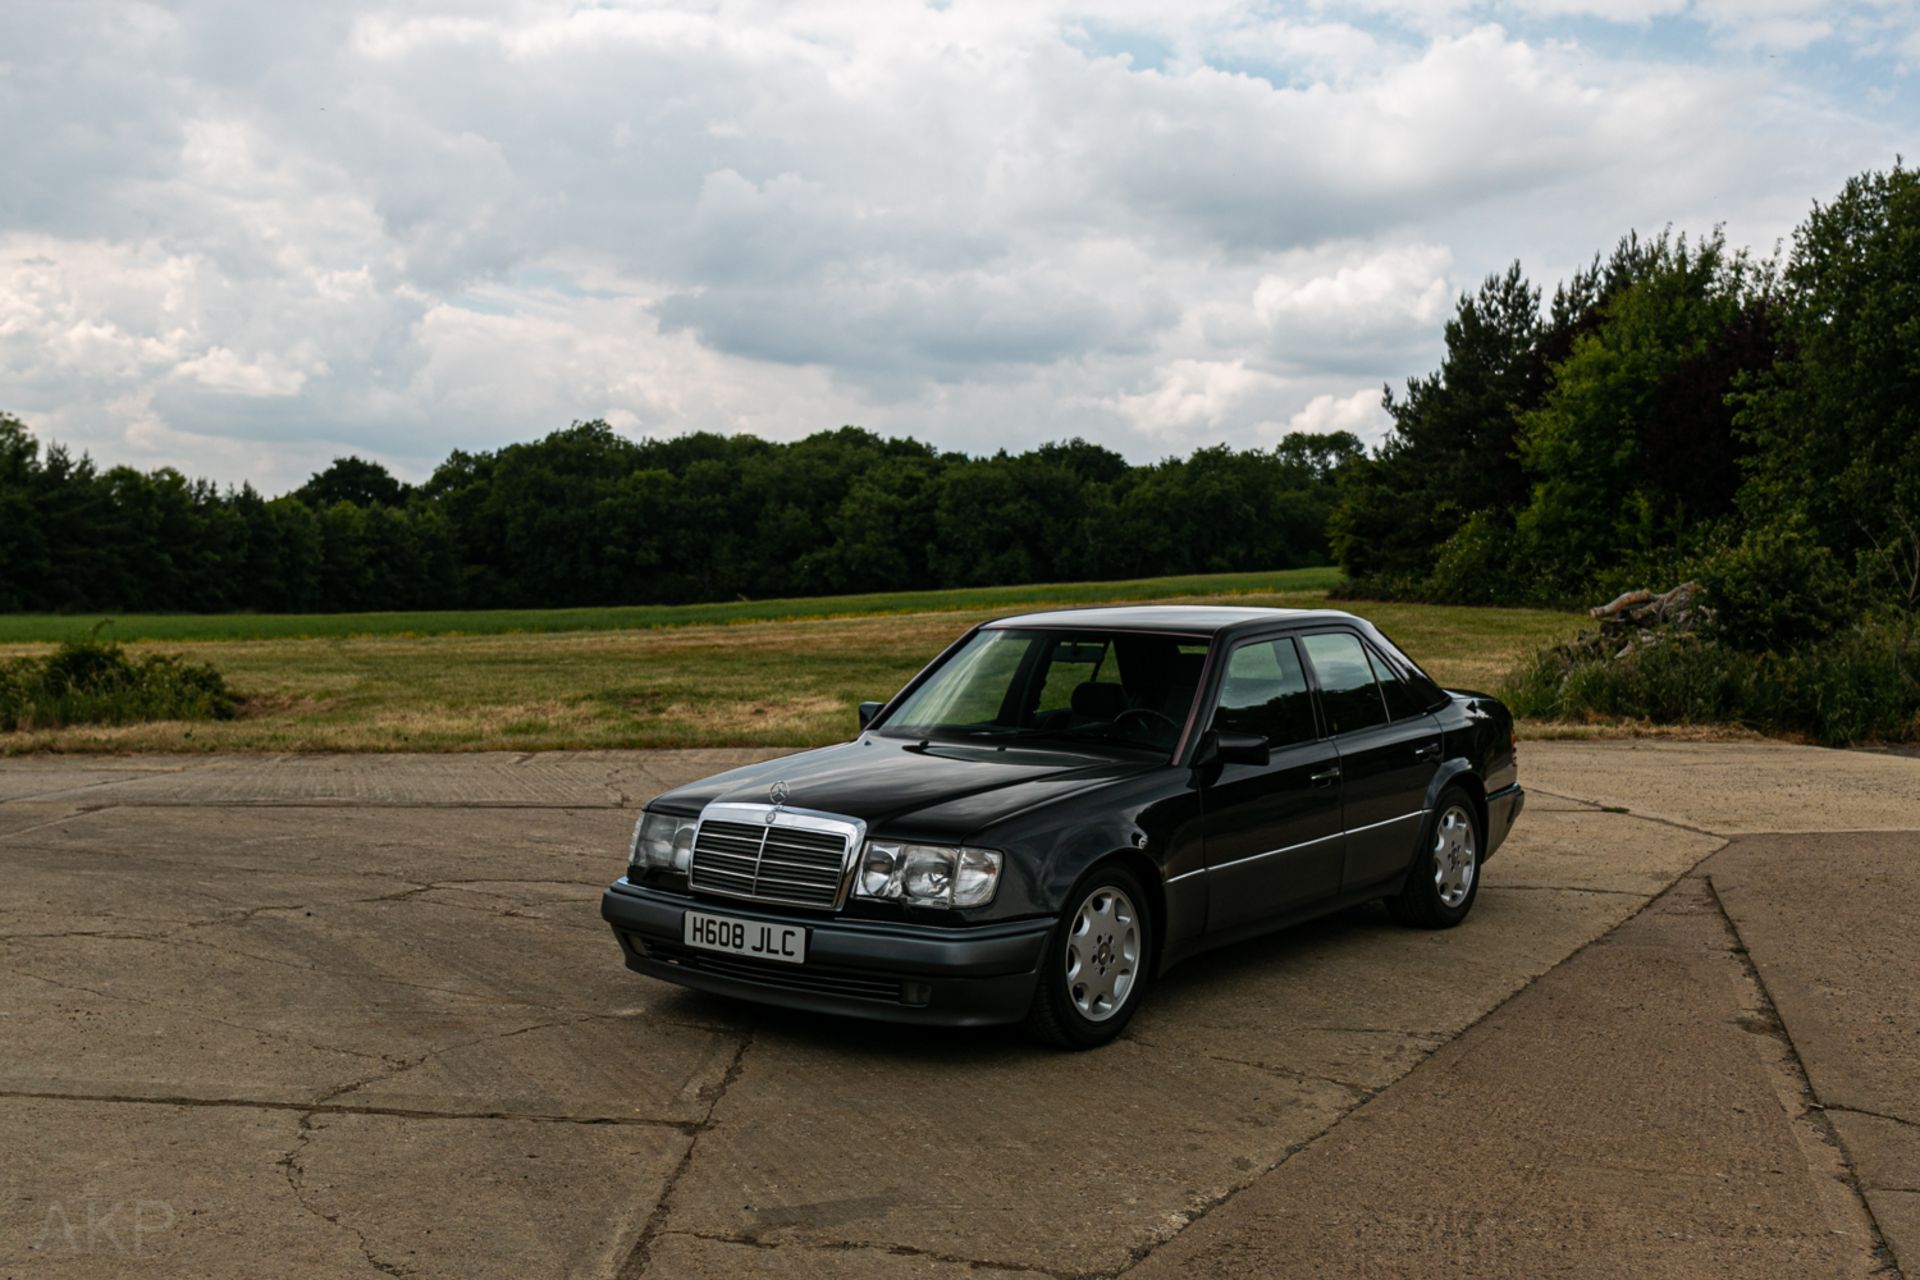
x=1419 y=685
x=1401 y=702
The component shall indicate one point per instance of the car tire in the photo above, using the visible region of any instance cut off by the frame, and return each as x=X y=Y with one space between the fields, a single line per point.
x=1444 y=881
x=1096 y=962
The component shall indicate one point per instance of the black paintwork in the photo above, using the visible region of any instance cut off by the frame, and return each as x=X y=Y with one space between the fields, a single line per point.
x=1182 y=821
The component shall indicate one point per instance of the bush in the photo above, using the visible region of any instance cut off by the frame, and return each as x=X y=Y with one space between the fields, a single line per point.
x=1773 y=590
x=95 y=682
x=1862 y=684
x=1477 y=564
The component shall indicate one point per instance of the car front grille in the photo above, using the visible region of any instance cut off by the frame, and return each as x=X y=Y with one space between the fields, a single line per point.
x=778 y=856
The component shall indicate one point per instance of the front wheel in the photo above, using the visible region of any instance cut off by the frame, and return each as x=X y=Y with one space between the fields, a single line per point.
x=1445 y=878
x=1096 y=962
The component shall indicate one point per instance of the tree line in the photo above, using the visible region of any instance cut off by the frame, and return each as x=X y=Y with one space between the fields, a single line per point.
x=586 y=516
x=1681 y=413
x=1676 y=409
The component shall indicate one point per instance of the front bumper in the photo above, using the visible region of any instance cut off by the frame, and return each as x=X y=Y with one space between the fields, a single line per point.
x=859 y=968
x=1503 y=810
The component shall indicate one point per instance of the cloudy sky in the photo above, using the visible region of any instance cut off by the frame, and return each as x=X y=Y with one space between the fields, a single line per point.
x=243 y=238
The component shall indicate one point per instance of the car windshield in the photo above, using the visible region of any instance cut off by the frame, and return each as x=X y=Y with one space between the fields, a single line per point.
x=1118 y=688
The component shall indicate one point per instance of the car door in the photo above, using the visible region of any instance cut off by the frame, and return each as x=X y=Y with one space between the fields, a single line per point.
x=1388 y=756
x=1272 y=832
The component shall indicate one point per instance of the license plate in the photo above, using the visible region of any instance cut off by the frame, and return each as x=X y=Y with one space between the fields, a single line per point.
x=786 y=943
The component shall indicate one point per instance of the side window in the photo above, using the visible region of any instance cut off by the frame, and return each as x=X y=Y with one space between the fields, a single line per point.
x=1348 y=692
x=1401 y=702
x=1264 y=691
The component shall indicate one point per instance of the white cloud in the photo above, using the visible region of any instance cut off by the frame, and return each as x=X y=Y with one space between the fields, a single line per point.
x=1188 y=396
x=238 y=239
x=1360 y=413
x=1317 y=310
x=224 y=370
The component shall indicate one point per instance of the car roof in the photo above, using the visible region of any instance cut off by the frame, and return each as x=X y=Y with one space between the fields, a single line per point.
x=1182 y=619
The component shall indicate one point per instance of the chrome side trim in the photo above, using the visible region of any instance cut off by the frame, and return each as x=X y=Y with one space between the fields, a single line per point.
x=1274 y=853
x=1417 y=813
x=1304 y=844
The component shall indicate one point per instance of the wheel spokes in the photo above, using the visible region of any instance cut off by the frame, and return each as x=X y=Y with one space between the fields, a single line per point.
x=1454 y=857
x=1102 y=953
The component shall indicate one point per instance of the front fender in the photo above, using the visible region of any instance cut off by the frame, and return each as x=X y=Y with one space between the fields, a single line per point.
x=1077 y=850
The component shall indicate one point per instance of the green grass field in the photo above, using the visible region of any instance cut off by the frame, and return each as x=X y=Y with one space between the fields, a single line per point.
x=33 y=628
x=775 y=673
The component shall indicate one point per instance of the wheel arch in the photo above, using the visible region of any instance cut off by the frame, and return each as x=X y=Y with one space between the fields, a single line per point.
x=1458 y=773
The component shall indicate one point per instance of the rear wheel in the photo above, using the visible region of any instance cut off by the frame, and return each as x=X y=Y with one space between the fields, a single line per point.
x=1445 y=878
x=1096 y=962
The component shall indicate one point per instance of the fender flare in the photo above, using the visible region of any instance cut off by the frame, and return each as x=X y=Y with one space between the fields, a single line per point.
x=1458 y=772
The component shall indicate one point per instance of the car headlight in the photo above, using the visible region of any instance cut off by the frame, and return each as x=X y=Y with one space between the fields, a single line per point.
x=662 y=842
x=923 y=875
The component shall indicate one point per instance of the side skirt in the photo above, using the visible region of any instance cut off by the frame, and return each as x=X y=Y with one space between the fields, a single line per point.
x=1194 y=946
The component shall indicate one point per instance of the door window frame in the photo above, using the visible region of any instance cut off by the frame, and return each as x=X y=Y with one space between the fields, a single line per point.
x=1313 y=677
x=1320 y=733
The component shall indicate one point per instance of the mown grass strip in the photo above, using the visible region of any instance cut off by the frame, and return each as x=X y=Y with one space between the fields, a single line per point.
x=20 y=629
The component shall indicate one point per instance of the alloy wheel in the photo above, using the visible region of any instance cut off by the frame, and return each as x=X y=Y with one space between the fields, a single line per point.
x=1455 y=857
x=1103 y=953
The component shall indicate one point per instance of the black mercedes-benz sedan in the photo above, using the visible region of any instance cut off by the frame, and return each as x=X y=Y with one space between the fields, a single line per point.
x=1064 y=804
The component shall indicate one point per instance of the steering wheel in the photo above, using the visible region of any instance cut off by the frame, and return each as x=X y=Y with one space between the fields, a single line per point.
x=1148 y=711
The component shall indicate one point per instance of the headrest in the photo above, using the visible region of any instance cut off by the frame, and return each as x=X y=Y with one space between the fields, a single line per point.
x=1093 y=701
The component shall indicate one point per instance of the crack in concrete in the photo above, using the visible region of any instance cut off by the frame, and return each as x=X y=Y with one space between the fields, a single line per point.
x=641 y=1254
x=398 y=1067
x=177 y=936
x=1362 y=1092
x=1439 y=1037
x=268 y=1032
x=1573 y=888
x=1877 y=1115
x=139 y=773
x=54 y=822
x=892 y=1250
x=311 y=1108
x=83 y=933
x=1620 y=812
x=1794 y=1068
x=1143 y=1252
x=296 y=1177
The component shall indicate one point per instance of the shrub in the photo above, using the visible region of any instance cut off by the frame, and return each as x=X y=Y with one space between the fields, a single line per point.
x=95 y=682
x=1773 y=590
x=1477 y=564
x=1861 y=684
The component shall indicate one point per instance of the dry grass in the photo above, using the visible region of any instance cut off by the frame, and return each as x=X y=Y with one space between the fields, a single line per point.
x=784 y=683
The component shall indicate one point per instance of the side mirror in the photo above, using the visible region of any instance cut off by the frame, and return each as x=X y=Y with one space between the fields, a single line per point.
x=1232 y=748
x=868 y=710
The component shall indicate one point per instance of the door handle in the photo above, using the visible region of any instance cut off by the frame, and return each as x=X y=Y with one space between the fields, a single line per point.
x=1427 y=751
x=1327 y=777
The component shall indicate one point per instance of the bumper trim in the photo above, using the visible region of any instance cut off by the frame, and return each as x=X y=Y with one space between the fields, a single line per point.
x=866 y=969
x=1503 y=810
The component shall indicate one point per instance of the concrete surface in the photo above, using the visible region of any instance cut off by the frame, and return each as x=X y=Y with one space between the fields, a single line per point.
x=324 y=1016
x=1640 y=1131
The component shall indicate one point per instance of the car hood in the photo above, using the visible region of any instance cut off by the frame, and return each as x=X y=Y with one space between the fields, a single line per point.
x=883 y=780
